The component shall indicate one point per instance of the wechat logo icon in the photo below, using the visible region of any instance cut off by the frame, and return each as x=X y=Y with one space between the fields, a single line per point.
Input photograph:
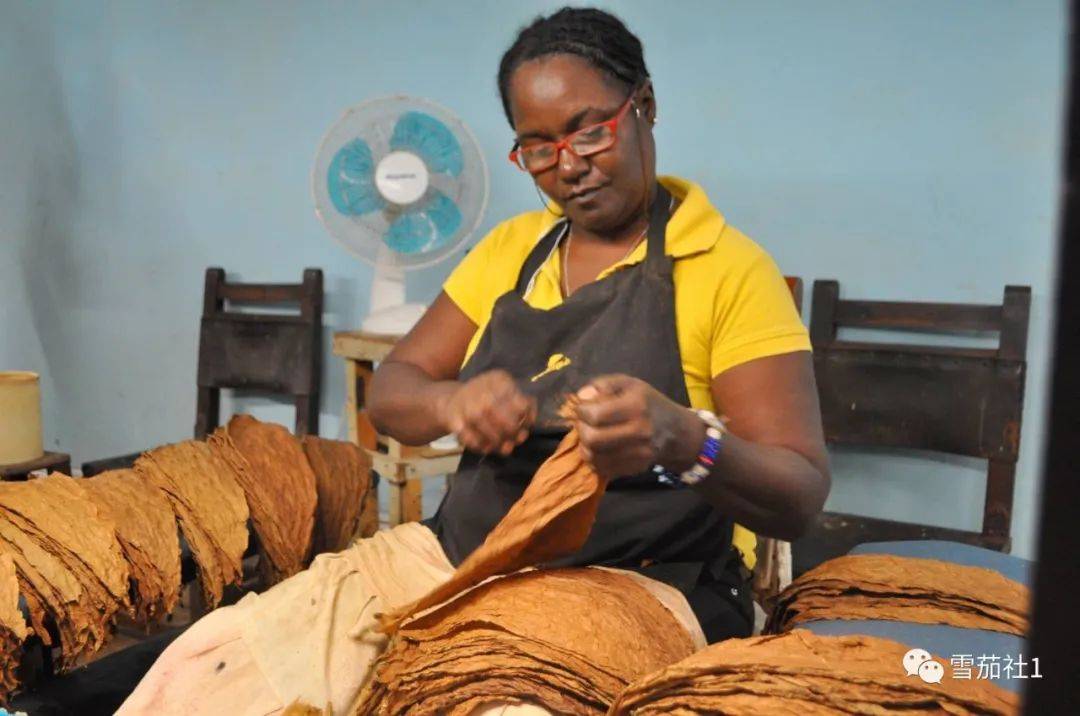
x=917 y=662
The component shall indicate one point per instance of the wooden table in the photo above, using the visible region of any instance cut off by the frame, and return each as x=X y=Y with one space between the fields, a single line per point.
x=402 y=466
x=50 y=461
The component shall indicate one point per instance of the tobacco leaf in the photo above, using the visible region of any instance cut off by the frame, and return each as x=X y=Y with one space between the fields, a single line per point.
x=279 y=486
x=209 y=504
x=551 y=519
x=342 y=480
x=801 y=672
x=146 y=529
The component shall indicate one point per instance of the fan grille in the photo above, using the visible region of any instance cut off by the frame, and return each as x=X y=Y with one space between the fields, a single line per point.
x=348 y=200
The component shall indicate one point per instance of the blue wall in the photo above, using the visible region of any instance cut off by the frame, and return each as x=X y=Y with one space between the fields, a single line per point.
x=906 y=149
x=37 y=163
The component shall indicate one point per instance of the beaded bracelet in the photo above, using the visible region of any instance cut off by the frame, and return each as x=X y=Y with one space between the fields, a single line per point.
x=714 y=437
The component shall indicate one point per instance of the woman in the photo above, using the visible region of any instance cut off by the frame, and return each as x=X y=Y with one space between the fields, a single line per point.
x=631 y=291
x=644 y=318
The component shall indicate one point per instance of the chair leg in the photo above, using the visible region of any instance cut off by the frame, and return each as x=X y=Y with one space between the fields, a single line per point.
x=207 y=411
x=307 y=415
x=773 y=571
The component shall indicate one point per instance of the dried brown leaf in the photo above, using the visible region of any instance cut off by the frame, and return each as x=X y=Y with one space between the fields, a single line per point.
x=342 y=479
x=927 y=591
x=801 y=672
x=146 y=528
x=210 y=506
x=279 y=486
x=551 y=519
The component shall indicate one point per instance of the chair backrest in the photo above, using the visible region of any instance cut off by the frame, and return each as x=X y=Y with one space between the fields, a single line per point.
x=795 y=285
x=269 y=352
x=951 y=399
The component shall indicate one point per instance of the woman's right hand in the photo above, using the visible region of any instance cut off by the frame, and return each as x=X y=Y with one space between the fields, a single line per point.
x=489 y=413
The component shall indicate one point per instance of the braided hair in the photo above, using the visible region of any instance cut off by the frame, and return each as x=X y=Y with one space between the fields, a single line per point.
x=595 y=35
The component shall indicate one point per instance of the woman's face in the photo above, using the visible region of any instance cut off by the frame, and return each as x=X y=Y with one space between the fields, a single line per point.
x=553 y=96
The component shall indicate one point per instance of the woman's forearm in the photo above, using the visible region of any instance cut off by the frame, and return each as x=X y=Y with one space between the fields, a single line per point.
x=769 y=489
x=406 y=403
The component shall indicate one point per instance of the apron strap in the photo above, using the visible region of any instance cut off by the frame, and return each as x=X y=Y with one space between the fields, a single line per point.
x=538 y=256
x=549 y=242
x=655 y=260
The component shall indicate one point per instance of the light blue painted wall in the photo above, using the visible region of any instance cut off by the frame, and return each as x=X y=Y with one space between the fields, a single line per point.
x=36 y=165
x=907 y=149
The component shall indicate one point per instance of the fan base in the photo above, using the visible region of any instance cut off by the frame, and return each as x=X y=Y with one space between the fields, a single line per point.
x=394 y=321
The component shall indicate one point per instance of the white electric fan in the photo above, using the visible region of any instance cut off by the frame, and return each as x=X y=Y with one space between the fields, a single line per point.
x=401 y=183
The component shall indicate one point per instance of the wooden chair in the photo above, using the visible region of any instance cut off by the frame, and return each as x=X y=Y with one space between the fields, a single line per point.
x=950 y=399
x=273 y=352
x=279 y=353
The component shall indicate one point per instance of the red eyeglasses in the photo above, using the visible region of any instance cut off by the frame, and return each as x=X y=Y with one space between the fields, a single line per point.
x=539 y=157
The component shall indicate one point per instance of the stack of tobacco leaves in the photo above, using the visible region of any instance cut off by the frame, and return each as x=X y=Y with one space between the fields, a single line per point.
x=567 y=640
x=71 y=570
x=279 y=485
x=908 y=589
x=13 y=630
x=551 y=519
x=204 y=493
x=806 y=674
x=79 y=550
x=342 y=480
x=146 y=529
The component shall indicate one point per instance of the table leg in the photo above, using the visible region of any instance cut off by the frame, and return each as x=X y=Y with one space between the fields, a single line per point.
x=361 y=383
x=397 y=485
x=405 y=496
x=369 y=514
x=350 y=400
x=411 y=507
x=357 y=378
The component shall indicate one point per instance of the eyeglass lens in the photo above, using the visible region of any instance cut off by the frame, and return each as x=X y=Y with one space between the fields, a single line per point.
x=589 y=142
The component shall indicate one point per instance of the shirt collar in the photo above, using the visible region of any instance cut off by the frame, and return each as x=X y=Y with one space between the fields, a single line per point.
x=694 y=228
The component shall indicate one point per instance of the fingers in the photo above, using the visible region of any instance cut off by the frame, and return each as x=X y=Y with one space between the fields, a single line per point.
x=607 y=411
x=611 y=400
x=614 y=437
x=618 y=449
x=615 y=425
x=491 y=415
x=614 y=384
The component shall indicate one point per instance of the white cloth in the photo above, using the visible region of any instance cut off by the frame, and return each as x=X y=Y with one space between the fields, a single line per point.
x=309 y=639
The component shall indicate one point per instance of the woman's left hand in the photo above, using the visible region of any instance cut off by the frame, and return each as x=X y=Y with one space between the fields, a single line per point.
x=626 y=427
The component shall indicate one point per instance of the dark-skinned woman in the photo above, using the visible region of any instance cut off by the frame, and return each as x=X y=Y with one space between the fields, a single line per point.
x=636 y=294
x=627 y=289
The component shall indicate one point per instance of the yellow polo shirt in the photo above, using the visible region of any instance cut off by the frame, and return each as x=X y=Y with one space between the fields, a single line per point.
x=732 y=304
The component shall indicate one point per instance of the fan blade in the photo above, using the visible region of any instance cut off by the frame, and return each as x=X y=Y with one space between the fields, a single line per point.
x=445 y=215
x=350 y=180
x=422 y=134
x=426 y=228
